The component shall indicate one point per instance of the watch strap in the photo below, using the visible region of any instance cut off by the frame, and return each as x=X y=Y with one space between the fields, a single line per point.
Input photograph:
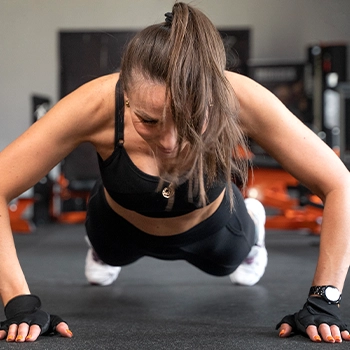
x=320 y=290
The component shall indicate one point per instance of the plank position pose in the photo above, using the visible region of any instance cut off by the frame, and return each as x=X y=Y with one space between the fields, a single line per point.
x=169 y=130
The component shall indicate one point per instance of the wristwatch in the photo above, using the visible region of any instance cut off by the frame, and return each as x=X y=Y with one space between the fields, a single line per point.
x=330 y=294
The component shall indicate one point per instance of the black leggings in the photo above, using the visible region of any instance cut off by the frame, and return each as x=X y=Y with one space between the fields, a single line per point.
x=217 y=246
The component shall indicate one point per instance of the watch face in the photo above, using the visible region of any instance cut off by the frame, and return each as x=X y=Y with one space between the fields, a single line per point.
x=332 y=294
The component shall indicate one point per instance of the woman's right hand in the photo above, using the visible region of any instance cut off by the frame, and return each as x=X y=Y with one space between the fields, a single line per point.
x=26 y=321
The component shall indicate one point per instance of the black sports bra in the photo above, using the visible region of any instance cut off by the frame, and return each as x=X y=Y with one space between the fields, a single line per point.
x=135 y=190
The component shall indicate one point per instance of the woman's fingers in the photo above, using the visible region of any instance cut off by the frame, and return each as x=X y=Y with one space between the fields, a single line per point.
x=63 y=329
x=33 y=334
x=285 y=330
x=3 y=334
x=326 y=333
x=329 y=334
x=345 y=335
x=22 y=333
x=12 y=333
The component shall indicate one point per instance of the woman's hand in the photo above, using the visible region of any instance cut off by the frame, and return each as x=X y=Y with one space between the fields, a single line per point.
x=329 y=334
x=21 y=333
x=318 y=320
x=26 y=321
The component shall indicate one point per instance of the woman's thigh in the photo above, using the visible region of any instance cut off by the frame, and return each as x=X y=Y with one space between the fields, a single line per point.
x=108 y=232
x=223 y=251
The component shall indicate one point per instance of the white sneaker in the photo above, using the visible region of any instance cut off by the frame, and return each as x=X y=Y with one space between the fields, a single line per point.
x=253 y=266
x=97 y=272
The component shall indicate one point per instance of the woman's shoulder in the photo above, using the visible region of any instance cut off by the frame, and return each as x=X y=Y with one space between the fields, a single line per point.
x=84 y=114
x=92 y=101
x=241 y=82
x=257 y=105
x=250 y=94
x=99 y=87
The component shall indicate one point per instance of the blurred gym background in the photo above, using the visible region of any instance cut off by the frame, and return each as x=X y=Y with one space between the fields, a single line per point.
x=298 y=49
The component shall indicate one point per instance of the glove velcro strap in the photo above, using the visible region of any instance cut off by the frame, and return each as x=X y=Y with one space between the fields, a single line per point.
x=317 y=311
x=22 y=304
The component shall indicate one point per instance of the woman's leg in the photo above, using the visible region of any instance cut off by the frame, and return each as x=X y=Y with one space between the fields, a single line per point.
x=238 y=248
x=109 y=246
x=253 y=267
x=219 y=252
x=96 y=271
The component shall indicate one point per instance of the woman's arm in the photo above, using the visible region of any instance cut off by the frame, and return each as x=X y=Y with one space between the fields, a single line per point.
x=83 y=116
x=299 y=151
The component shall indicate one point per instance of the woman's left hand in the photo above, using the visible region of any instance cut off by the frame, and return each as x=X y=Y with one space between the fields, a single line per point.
x=318 y=320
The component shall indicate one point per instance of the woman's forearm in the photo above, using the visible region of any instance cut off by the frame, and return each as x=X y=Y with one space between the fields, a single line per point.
x=334 y=256
x=12 y=280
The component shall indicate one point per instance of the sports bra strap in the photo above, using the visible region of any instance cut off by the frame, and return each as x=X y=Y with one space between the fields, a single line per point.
x=119 y=115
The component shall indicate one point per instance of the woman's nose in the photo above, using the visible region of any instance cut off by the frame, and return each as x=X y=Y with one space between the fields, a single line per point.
x=167 y=138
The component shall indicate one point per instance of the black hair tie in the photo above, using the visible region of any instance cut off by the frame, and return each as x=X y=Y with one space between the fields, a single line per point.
x=168 y=18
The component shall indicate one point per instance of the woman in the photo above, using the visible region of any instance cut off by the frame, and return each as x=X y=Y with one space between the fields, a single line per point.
x=167 y=162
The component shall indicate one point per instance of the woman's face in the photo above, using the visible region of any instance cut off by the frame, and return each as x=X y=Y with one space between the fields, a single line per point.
x=152 y=119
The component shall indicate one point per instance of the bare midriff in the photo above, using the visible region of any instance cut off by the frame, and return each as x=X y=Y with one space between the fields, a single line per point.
x=165 y=226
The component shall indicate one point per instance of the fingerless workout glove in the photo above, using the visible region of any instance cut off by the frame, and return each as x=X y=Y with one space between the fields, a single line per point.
x=315 y=312
x=26 y=309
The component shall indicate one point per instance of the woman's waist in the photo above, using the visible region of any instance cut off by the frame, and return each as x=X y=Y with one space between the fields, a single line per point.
x=168 y=226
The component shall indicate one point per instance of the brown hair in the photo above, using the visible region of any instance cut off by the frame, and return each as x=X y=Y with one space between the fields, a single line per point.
x=187 y=55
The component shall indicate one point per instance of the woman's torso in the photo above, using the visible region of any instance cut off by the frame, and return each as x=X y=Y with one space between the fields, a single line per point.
x=138 y=152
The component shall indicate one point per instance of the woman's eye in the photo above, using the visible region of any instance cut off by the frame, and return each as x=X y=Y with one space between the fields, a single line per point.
x=146 y=121
x=149 y=121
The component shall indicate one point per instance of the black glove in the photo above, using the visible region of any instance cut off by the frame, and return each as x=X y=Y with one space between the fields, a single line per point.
x=26 y=309
x=315 y=312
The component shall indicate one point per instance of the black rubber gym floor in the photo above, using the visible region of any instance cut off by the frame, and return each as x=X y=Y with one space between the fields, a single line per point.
x=167 y=305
